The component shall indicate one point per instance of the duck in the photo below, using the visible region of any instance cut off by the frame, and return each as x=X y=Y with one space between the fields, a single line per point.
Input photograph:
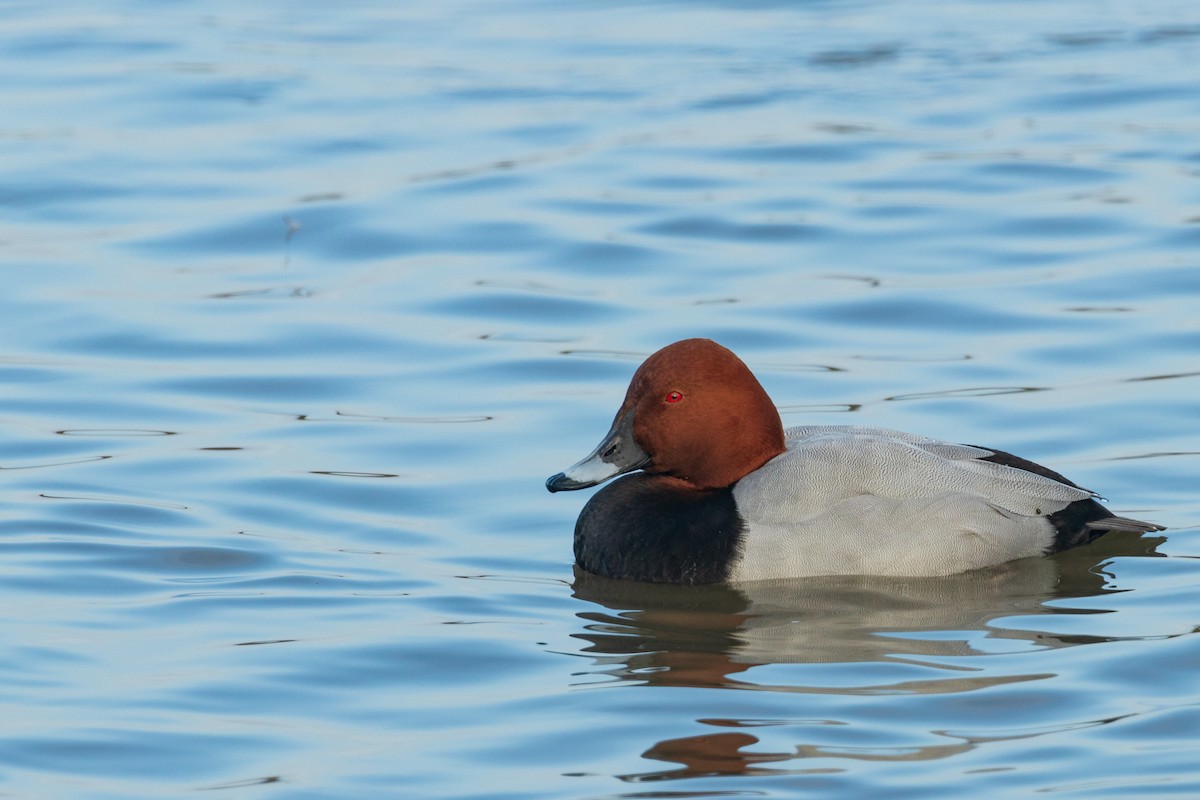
x=711 y=488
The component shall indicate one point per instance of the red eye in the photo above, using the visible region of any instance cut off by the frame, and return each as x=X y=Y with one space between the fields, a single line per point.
x=673 y=397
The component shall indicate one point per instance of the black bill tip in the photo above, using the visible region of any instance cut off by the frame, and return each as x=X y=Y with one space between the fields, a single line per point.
x=561 y=483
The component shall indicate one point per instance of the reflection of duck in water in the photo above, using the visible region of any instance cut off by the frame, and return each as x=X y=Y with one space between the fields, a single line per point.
x=843 y=637
x=700 y=635
x=726 y=494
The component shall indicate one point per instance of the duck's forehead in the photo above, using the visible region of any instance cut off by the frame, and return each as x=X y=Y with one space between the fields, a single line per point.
x=645 y=381
x=685 y=365
x=688 y=356
x=664 y=368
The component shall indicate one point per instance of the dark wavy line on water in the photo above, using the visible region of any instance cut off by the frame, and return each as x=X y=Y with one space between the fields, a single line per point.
x=981 y=391
x=116 y=500
x=59 y=463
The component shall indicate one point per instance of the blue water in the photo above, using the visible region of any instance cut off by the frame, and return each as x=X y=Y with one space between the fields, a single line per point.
x=302 y=304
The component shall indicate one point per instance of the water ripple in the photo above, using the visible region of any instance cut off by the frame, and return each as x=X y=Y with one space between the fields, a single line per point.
x=303 y=307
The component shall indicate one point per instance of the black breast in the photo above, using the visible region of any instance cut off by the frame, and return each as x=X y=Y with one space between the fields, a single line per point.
x=648 y=528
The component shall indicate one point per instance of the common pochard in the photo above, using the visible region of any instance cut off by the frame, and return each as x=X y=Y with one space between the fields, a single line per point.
x=725 y=494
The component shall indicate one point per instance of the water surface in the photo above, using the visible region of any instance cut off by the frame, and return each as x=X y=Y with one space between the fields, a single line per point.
x=302 y=306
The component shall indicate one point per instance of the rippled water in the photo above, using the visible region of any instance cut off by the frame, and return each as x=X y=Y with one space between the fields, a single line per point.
x=303 y=304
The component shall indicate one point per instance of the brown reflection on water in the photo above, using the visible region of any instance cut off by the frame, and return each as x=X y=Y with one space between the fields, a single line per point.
x=710 y=755
x=716 y=754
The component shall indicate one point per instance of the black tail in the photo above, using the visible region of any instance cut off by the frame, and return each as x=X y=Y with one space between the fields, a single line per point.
x=1080 y=522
